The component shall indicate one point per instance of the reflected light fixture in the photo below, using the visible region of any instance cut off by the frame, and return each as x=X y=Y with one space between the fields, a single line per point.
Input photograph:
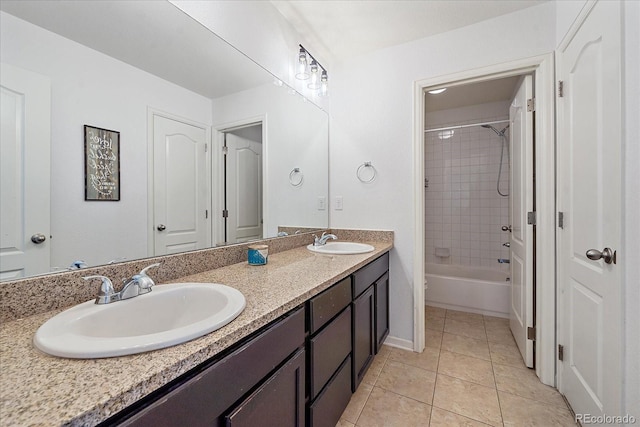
x=437 y=91
x=309 y=68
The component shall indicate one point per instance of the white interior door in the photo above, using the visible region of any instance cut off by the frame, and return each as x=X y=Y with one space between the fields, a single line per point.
x=589 y=197
x=244 y=189
x=181 y=187
x=520 y=204
x=25 y=169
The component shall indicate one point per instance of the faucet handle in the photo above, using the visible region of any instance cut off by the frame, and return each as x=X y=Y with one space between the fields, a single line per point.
x=143 y=272
x=107 y=294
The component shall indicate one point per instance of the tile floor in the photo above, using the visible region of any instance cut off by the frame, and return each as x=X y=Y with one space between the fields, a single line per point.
x=470 y=374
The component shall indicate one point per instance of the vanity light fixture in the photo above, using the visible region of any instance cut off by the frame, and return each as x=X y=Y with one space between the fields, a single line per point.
x=310 y=68
x=437 y=91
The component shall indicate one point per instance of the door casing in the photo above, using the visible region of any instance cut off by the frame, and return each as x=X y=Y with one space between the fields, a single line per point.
x=542 y=67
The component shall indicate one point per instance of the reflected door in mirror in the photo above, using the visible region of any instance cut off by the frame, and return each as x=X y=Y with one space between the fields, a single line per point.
x=24 y=183
x=244 y=184
x=181 y=191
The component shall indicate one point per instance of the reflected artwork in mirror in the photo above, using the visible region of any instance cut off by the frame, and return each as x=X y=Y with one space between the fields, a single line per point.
x=208 y=138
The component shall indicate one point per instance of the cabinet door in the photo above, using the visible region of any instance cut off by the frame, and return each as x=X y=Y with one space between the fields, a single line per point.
x=382 y=310
x=278 y=402
x=363 y=334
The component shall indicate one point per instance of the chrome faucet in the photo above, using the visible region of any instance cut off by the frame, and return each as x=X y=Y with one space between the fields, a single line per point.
x=139 y=284
x=322 y=240
x=76 y=265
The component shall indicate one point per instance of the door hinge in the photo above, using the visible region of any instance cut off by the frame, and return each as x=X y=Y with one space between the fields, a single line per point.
x=225 y=213
x=225 y=150
x=531 y=105
x=531 y=218
x=561 y=219
x=206 y=148
x=560 y=352
x=206 y=214
x=531 y=333
x=560 y=88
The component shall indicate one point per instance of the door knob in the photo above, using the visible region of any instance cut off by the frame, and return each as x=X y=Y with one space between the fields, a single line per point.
x=506 y=228
x=161 y=227
x=38 y=238
x=607 y=255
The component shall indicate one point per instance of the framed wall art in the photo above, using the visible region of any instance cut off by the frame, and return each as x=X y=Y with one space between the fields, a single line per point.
x=101 y=164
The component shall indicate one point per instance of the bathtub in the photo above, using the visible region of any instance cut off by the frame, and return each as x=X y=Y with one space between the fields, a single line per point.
x=466 y=288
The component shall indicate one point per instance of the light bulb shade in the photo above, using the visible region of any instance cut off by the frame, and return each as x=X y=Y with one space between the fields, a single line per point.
x=324 y=84
x=302 y=72
x=315 y=78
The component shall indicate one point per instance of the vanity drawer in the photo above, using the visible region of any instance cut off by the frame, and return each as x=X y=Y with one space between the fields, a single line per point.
x=329 y=406
x=324 y=306
x=328 y=349
x=368 y=274
x=205 y=397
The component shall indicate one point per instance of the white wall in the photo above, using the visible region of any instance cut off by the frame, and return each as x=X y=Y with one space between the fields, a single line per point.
x=296 y=135
x=463 y=210
x=88 y=87
x=371 y=119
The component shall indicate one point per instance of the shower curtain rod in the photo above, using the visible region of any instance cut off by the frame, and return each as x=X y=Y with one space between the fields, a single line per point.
x=466 y=126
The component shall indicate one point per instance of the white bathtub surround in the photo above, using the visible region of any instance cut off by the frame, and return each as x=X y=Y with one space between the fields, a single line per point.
x=463 y=210
x=470 y=289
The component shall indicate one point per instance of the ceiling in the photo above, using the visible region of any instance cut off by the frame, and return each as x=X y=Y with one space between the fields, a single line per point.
x=347 y=27
x=472 y=94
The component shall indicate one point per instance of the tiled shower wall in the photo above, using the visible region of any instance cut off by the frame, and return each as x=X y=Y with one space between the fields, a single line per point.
x=464 y=211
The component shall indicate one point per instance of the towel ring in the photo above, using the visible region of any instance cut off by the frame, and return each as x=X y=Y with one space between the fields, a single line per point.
x=362 y=168
x=292 y=175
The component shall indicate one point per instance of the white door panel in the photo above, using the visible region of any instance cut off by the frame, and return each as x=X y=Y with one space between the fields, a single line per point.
x=589 y=195
x=181 y=190
x=25 y=169
x=244 y=189
x=520 y=203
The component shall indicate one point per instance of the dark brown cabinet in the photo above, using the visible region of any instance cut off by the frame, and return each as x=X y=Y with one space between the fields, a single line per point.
x=298 y=371
x=370 y=314
x=329 y=354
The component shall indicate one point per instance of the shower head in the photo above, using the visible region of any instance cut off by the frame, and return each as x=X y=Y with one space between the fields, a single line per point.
x=498 y=132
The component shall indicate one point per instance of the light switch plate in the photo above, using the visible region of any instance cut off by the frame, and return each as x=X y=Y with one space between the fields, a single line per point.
x=322 y=203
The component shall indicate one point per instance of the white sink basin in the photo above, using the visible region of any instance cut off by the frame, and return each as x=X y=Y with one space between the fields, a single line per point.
x=169 y=315
x=342 y=248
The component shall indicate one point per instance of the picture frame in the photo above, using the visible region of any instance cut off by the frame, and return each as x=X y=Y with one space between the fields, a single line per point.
x=101 y=164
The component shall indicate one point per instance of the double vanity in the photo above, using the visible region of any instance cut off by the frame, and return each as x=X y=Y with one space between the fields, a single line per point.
x=310 y=328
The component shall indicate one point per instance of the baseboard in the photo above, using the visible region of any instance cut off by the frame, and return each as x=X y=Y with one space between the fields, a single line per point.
x=399 y=343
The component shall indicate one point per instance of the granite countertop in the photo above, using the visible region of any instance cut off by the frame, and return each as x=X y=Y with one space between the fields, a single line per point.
x=37 y=389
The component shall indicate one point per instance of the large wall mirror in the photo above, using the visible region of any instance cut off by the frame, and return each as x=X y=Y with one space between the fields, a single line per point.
x=203 y=146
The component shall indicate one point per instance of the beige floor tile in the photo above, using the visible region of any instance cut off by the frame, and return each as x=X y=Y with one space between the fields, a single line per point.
x=408 y=381
x=432 y=338
x=468 y=399
x=523 y=382
x=376 y=367
x=435 y=323
x=387 y=409
x=506 y=354
x=428 y=359
x=467 y=329
x=344 y=423
x=384 y=351
x=465 y=345
x=466 y=368
x=499 y=333
x=358 y=399
x=491 y=320
x=442 y=418
x=464 y=316
x=518 y=411
x=434 y=311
